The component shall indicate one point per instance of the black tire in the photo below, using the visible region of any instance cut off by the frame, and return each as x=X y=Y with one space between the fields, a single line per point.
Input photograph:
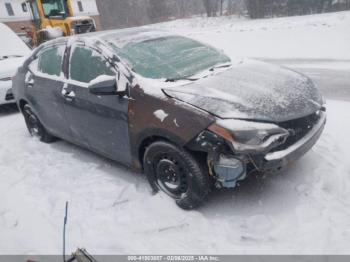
x=35 y=127
x=178 y=173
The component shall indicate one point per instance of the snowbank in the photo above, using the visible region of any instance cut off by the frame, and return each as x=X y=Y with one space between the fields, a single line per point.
x=314 y=36
x=302 y=210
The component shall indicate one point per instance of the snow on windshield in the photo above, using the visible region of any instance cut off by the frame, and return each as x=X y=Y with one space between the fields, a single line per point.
x=13 y=46
x=169 y=57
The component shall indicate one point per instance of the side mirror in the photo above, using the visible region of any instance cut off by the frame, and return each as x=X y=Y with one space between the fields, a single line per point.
x=103 y=85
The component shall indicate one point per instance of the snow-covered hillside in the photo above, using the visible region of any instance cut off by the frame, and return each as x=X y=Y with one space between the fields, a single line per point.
x=325 y=36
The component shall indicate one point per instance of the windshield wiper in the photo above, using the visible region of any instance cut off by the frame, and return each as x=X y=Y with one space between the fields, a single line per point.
x=197 y=76
x=8 y=56
x=189 y=78
x=220 y=66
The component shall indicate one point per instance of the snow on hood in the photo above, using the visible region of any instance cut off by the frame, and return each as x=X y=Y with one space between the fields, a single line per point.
x=8 y=67
x=252 y=90
x=11 y=44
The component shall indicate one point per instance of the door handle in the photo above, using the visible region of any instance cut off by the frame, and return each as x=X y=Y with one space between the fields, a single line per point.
x=69 y=95
x=30 y=83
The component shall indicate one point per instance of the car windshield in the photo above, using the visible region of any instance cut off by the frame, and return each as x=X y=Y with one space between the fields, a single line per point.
x=172 y=57
x=54 y=8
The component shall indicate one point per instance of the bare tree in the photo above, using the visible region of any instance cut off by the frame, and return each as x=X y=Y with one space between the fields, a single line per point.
x=254 y=8
x=211 y=6
x=158 y=10
x=181 y=7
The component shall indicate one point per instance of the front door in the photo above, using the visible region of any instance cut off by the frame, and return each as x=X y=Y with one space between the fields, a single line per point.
x=97 y=121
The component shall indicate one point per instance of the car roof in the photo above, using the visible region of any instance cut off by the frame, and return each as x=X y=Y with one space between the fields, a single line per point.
x=118 y=36
x=127 y=34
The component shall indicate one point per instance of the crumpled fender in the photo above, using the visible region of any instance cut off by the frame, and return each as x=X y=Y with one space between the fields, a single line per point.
x=162 y=117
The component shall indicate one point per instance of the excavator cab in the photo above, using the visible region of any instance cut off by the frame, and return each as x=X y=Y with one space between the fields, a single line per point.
x=54 y=18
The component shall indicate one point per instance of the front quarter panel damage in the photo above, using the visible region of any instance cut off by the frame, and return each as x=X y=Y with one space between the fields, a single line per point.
x=152 y=116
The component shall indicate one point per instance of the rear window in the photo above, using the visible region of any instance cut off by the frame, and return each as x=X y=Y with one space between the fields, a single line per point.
x=169 y=57
x=50 y=60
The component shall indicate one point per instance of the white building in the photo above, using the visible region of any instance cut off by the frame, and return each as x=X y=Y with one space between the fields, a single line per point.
x=85 y=7
x=15 y=13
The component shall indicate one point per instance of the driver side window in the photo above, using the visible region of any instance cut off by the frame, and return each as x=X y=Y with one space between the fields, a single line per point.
x=86 y=64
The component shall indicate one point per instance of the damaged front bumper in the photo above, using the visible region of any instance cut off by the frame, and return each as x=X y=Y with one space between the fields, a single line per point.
x=228 y=166
x=229 y=170
x=276 y=160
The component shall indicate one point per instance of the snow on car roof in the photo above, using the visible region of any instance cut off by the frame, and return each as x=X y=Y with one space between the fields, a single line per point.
x=11 y=44
x=120 y=37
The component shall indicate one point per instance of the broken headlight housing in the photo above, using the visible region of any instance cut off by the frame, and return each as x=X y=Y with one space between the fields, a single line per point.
x=248 y=136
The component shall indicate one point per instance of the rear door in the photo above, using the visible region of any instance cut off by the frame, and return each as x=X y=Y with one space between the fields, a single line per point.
x=44 y=82
x=97 y=121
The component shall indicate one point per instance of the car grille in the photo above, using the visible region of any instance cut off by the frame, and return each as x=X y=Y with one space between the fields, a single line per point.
x=298 y=128
x=9 y=95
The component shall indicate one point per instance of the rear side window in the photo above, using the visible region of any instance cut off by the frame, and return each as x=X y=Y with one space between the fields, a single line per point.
x=87 y=64
x=50 y=60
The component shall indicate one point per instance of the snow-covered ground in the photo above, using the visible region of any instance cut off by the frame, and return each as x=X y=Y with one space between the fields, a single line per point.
x=302 y=210
x=305 y=209
x=323 y=36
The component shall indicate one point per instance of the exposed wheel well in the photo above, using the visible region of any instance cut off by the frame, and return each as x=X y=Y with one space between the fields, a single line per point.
x=146 y=142
x=149 y=140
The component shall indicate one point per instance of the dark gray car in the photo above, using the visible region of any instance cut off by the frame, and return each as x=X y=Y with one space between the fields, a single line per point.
x=182 y=111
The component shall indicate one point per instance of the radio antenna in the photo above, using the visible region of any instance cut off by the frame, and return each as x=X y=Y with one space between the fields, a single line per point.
x=64 y=232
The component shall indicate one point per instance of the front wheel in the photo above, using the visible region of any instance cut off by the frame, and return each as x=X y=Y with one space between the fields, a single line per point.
x=178 y=173
x=35 y=127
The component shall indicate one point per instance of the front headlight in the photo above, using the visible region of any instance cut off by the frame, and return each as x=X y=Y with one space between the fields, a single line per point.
x=249 y=136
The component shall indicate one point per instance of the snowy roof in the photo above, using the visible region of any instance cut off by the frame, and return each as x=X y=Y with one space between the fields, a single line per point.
x=120 y=36
x=11 y=44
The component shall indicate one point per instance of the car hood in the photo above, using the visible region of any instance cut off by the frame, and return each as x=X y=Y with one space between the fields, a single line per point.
x=252 y=90
x=8 y=66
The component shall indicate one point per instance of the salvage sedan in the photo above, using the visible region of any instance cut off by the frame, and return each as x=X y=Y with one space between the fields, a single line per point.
x=189 y=116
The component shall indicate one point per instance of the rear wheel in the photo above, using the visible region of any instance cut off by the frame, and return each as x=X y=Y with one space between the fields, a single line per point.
x=178 y=173
x=35 y=127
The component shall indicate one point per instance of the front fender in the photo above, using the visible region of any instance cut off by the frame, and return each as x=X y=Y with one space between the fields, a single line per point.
x=164 y=117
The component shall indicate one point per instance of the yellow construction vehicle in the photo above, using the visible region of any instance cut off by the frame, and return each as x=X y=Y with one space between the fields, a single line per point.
x=54 y=18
